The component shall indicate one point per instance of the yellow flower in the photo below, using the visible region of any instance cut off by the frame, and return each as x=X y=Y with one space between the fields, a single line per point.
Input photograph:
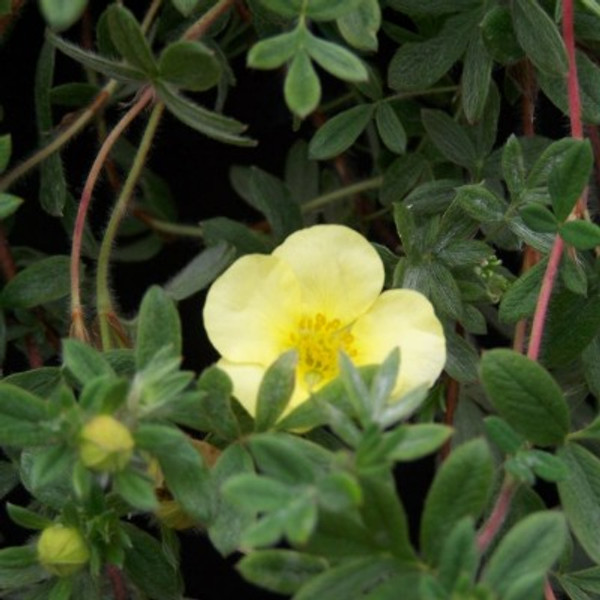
x=62 y=550
x=319 y=293
x=105 y=444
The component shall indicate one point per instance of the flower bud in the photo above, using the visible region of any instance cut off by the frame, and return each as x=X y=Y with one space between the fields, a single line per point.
x=62 y=550
x=105 y=444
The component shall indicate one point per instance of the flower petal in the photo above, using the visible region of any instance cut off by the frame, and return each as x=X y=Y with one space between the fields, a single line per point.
x=404 y=319
x=246 y=380
x=340 y=273
x=252 y=308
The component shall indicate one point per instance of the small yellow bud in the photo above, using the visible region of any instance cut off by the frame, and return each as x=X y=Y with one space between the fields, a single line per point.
x=62 y=550
x=105 y=444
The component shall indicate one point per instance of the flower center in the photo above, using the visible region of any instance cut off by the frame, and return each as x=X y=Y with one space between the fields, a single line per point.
x=318 y=341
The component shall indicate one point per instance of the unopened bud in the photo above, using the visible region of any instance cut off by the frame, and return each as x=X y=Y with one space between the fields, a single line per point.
x=62 y=550
x=105 y=444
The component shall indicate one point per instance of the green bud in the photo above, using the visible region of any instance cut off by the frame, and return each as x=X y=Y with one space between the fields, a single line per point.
x=62 y=550
x=105 y=444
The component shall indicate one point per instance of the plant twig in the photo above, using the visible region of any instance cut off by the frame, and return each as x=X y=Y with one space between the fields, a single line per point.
x=78 y=328
x=201 y=26
x=349 y=190
x=541 y=310
x=117 y=583
x=105 y=306
x=492 y=526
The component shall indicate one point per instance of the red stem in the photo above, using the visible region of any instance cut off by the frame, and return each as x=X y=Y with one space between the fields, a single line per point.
x=497 y=517
x=117 y=583
x=86 y=197
x=541 y=309
x=548 y=591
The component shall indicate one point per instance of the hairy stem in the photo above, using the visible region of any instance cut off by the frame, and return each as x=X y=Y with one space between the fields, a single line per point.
x=492 y=526
x=78 y=325
x=61 y=139
x=105 y=307
x=349 y=190
x=541 y=309
x=200 y=27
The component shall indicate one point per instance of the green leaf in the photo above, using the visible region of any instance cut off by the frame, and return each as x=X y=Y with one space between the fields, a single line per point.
x=359 y=28
x=400 y=177
x=185 y=7
x=271 y=197
x=459 y=558
x=226 y=529
x=274 y=51
x=526 y=395
x=286 y=8
x=583 y=235
x=588 y=75
x=460 y=489
x=275 y=390
x=390 y=128
x=335 y=59
x=327 y=10
x=287 y=458
x=539 y=37
x=257 y=493
x=158 y=326
x=499 y=35
x=588 y=579
x=187 y=478
x=27 y=518
x=475 y=81
x=302 y=88
x=216 y=403
x=211 y=124
x=538 y=218
x=461 y=359
x=546 y=465
x=53 y=187
x=96 y=62
x=5 y=151
x=351 y=580
x=419 y=440
x=340 y=132
x=531 y=546
x=383 y=516
x=449 y=138
x=419 y=65
x=148 y=567
x=569 y=177
x=61 y=14
x=513 y=166
x=571 y=324
x=129 y=39
x=137 y=489
x=84 y=362
x=8 y=204
x=579 y=493
x=480 y=203
x=200 y=271
x=73 y=95
x=22 y=417
x=244 y=239
x=189 y=65
x=50 y=466
x=46 y=280
x=503 y=435
x=433 y=8
x=280 y=571
x=520 y=299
